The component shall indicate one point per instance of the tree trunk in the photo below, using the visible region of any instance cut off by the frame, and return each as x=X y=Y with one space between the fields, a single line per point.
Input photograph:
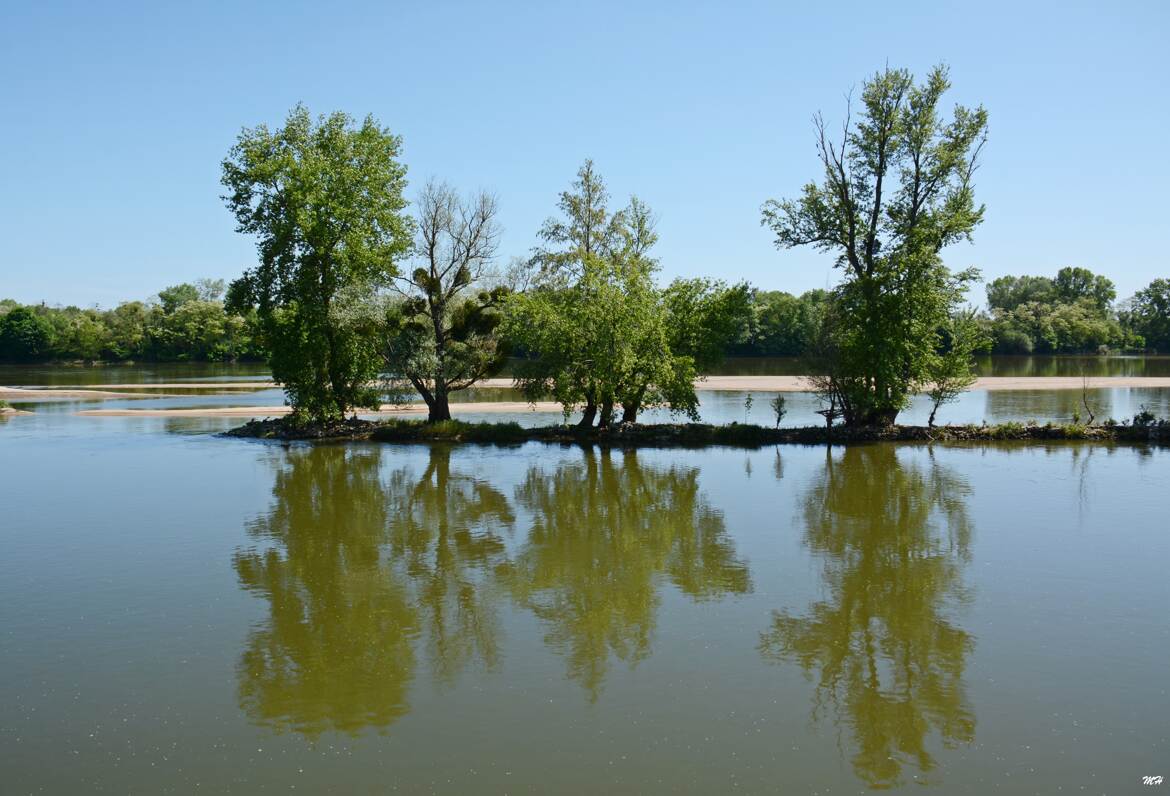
x=438 y=408
x=630 y=413
x=606 y=414
x=588 y=416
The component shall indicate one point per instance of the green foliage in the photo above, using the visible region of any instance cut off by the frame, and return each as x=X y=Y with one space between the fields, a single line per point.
x=595 y=330
x=1009 y=292
x=705 y=318
x=1074 y=285
x=895 y=191
x=442 y=336
x=779 y=407
x=781 y=324
x=324 y=200
x=1148 y=315
x=25 y=335
x=950 y=372
x=1071 y=313
x=175 y=296
x=194 y=330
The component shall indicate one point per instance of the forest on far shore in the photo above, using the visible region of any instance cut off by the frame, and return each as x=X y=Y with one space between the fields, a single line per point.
x=1074 y=312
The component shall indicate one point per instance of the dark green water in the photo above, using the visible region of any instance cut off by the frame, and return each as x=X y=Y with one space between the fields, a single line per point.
x=181 y=612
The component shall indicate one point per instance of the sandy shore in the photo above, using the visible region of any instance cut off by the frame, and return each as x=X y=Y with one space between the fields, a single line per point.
x=7 y=411
x=275 y=411
x=801 y=384
x=168 y=385
x=55 y=394
x=711 y=383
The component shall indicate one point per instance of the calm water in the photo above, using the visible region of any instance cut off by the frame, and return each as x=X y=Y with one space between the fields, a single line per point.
x=181 y=612
x=737 y=366
x=715 y=407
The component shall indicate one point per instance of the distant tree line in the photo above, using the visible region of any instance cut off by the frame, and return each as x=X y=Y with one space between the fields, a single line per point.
x=184 y=323
x=1074 y=312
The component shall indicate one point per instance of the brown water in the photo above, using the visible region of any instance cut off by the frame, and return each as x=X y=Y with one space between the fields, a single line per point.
x=183 y=612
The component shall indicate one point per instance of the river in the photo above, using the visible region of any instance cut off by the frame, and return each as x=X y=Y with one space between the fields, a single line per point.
x=181 y=611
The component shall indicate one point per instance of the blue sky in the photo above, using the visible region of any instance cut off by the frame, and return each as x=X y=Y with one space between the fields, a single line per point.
x=114 y=118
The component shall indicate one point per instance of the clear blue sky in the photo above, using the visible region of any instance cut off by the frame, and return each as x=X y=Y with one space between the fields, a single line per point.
x=114 y=118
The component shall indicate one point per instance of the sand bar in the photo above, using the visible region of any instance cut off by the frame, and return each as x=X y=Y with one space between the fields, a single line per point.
x=711 y=383
x=274 y=411
x=53 y=394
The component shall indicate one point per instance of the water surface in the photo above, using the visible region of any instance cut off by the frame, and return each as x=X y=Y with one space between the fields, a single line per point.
x=181 y=611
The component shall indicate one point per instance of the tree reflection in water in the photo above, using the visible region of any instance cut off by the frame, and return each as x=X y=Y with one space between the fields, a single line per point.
x=604 y=531
x=887 y=657
x=360 y=568
x=369 y=575
x=445 y=531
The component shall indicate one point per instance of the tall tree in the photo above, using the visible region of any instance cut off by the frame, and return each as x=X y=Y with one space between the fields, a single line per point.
x=594 y=328
x=897 y=189
x=24 y=335
x=1073 y=285
x=441 y=337
x=324 y=199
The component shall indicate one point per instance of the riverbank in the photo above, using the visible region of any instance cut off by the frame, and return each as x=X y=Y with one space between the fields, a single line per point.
x=690 y=435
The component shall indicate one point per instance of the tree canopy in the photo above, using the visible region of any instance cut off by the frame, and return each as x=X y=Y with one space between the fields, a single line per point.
x=897 y=188
x=441 y=336
x=324 y=199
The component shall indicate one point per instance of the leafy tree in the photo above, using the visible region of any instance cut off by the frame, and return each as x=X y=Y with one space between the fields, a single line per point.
x=705 y=317
x=127 y=324
x=1009 y=292
x=324 y=199
x=951 y=373
x=176 y=296
x=1148 y=314
x=24 y=335
x=441 y=338
x=785 y=325
x=594 y=329
x=1070 y=313
x=897 y=189
x=601 y=343
x=1073 y=285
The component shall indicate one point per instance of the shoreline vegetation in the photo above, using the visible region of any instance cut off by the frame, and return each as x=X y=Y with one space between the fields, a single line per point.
x=1144 y=429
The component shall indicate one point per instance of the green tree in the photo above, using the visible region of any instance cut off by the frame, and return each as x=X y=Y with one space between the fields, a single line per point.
x=176 y=296
x=1009 y=292
x=594 y=328
x=705 y=317
x=24 y=335
x=324 y=200
x=951 y=372
x=1148 y=314
x=442 y=337
x=897 y=189
x=127 y=323
x=1073 y=285
x=783 y=324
